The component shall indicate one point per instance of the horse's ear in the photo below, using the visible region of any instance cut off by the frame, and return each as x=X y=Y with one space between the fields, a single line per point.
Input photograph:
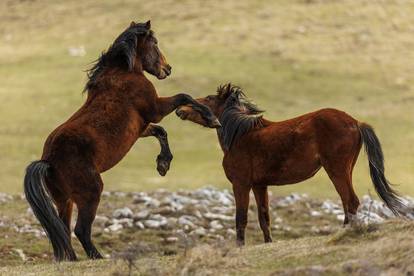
x=148 y=24
x=132 y=24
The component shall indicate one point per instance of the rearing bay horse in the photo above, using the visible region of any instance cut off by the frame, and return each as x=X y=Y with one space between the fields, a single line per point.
x=259 y=153
x=121 y=106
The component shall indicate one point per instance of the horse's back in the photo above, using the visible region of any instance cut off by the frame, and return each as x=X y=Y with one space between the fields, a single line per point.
x=291 y=151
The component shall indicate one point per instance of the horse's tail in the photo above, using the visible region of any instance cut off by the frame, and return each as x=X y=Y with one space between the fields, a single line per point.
x=38 y=197
x=376 y=168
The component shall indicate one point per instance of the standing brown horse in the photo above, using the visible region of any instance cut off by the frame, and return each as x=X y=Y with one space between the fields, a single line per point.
x=259 y=153
x=121 y=106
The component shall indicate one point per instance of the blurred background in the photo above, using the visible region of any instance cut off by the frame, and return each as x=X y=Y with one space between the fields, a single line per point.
x=290 y=56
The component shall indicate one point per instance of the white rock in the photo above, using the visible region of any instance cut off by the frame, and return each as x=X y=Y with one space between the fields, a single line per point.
x=139 y=225
x=213 y=216
x=153 y=203
x=101 y=220
x=201 y=232
x=142 y=214
x=171 y=239
x=186 y=221
x=120 y=194
x=114 y=227
x=21 y=254
x=153 y=224
x=314 y=213
x=123 y=213
x=126 y=222
x=231 y=232
x=216 y=225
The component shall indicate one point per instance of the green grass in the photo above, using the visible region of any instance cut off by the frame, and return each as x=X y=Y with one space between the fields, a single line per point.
x=291 y=57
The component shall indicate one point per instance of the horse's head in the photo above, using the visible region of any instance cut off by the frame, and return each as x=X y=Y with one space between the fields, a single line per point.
x=137 y=49
x=229 y=98
x=153 y=61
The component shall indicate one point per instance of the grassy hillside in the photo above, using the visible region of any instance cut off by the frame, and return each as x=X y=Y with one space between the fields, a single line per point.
x=291 y=57
x=363 y=251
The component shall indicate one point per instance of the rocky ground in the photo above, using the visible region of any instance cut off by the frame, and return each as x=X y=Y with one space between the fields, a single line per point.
x=167 y=221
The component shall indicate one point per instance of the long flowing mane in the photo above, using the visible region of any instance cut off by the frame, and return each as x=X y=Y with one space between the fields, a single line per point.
x=121 y=54
x=240 y=115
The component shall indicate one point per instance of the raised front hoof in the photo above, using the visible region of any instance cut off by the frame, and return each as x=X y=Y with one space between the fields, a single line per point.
x=181 y=114
x=163 y=164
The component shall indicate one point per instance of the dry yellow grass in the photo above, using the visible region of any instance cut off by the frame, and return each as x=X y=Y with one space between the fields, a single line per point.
x=389 y=249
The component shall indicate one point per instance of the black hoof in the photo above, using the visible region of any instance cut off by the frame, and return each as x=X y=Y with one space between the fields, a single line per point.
x=268 y=240
x=163 y=164
x=181 y=114
x=240 y=243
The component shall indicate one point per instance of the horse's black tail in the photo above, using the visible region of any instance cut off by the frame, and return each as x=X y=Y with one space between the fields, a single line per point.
x=38 y=197
x=376 y=168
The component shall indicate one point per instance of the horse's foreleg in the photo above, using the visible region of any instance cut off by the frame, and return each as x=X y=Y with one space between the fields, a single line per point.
x=166 y=105
x=165 y=156
x=241 y=196
x=262 y=201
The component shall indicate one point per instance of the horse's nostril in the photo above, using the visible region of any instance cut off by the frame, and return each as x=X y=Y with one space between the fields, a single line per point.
x=169 y=67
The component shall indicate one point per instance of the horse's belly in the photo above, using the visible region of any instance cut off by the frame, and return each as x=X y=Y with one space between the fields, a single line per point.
x=115 y=154
x=114 y=150
x=295 y=175
x=295 y=168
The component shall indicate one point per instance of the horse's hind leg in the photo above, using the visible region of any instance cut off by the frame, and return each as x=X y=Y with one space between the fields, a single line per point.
x=241 y=196
x=343 y=185
x=262 y=202
x=65 y=209
x=65 y=212
x=87 y=203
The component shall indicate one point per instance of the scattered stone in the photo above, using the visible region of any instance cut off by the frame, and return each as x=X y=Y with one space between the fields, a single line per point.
x=231 y=232
x=212 y=216
x=5 y=198
x=171 y=239
x=113 y=228
x=216 y=225
x=201 y=232
x=186 y=221
x=100 y=220
x=314 y=213
x=139 y=225
x=142 y=215
x=288 y=200
x=120 y=194
x=20 y=253
x=209 y=212
x=123 y=213
x=153 y=224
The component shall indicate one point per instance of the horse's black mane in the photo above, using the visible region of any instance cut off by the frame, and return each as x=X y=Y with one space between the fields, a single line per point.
x=240 y=115
x=121 y=54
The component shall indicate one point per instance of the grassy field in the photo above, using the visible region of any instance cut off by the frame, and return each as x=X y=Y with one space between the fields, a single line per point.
x=291 y=57
x=362 y=251
x=303 y=244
